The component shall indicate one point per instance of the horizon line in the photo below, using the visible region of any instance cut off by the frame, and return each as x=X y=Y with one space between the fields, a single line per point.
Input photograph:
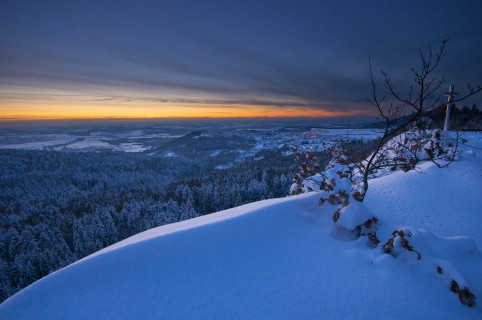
x=34 y=119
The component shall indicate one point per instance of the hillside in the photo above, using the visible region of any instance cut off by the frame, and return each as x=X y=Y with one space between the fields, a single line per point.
x=58 y=206
x=285 y=259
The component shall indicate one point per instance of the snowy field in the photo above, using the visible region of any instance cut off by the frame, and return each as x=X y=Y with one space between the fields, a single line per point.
x=285 y=259
x=220 y=148
x=129 y=139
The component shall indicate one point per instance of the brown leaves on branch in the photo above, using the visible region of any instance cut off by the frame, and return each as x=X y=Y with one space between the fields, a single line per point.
x=373 y=240
x=340 y=198
x=466 y=297
x=336 y=215
x=398 y=241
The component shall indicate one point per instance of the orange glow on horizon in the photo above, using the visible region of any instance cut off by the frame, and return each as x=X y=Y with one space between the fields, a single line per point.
x=18 y=110
x=204 y=113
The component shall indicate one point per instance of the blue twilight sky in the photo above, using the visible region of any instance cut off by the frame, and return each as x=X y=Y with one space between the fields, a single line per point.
x=300 y=55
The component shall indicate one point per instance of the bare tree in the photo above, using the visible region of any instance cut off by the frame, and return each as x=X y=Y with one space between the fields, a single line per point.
x=399 y=112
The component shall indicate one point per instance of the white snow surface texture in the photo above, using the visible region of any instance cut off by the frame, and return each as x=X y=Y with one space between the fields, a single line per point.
x=285 y=259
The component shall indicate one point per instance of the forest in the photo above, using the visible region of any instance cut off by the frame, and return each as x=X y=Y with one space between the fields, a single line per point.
x=461 y=119
x=57 y=207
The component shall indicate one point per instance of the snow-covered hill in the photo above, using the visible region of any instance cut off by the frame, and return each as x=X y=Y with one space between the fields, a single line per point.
x=285 y=259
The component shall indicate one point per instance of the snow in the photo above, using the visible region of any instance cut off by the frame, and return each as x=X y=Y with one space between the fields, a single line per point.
x=224 y=166
x=37 y=145
x=36 y=142
x=285 y=259
x=130 y=147
x=170 y=154
x=103 y=138
x=353 y=215
x=155 y=136
x=88 y=144
x=452 y=198
x=450 y=195
x=215 y=153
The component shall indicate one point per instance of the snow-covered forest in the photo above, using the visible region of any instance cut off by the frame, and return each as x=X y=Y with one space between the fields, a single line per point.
x=57 y=207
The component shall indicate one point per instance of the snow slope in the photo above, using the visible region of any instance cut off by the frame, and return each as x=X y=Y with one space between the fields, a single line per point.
x=285 y=259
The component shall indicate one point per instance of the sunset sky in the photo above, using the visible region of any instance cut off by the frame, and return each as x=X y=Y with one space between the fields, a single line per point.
x=130 y=59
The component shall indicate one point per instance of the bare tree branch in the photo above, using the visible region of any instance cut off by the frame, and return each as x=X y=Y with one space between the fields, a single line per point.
x=421 y=98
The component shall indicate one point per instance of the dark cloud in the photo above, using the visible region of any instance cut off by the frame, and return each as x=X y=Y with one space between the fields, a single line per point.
x=309 y=54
